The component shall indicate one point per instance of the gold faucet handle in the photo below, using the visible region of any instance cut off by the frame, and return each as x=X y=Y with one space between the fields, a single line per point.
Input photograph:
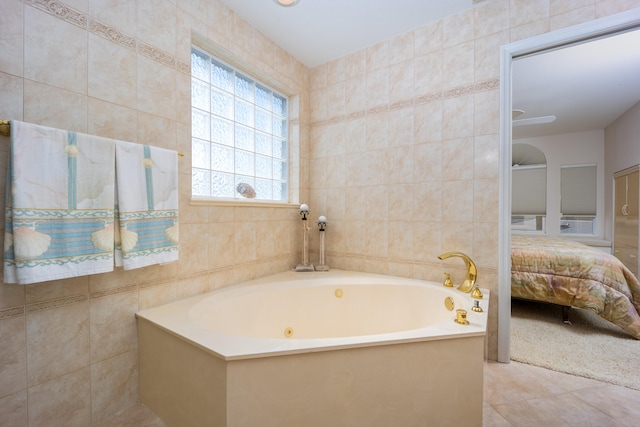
x=447 y=280
x=477 y=293
x=461 y=317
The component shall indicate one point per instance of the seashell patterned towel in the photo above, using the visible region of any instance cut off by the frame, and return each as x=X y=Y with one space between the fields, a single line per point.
x=60 y=210
x=147 y=205
x=60 y=193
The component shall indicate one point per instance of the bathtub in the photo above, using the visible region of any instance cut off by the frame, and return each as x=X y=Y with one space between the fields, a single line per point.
x=315 y=349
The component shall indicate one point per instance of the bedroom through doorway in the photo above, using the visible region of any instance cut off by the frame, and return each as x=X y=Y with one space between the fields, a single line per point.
x=541 y=116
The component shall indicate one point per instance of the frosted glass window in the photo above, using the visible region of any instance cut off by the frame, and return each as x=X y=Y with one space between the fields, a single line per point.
x=200 y=124
x=263 y=120
x=222 y=131
x=200 y=184
x=263 y=143
x=221 y=104
x=239 y=133
x=279 y=169
x=200 y=94
x=200 y=66
x=244 y=138
x=222 y=184
x=245 y=163
x=279 y=105
x=280 y=148
x=264 y=185
x=221 y=158
x=264 y=166
x=221 y=75
x=244 y=113
x=201 y=156
x=264 y=97
x=245 y=88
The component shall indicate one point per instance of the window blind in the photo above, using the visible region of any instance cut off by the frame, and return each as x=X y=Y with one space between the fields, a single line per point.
x=578 y=189
x=529 y=190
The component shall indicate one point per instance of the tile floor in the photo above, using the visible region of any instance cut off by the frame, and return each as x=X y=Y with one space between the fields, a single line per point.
x=515 y=394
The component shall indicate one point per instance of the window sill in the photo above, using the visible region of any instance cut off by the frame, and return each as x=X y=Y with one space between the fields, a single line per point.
x=196 y=201
x=589 y=240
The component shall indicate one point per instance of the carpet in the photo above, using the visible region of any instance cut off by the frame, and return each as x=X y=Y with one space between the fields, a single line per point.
x=589 y=347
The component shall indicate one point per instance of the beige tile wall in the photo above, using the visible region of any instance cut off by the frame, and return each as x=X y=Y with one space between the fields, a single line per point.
x=121 y=69
x=403 y=161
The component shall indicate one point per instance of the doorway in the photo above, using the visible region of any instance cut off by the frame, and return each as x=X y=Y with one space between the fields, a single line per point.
x=578 y=34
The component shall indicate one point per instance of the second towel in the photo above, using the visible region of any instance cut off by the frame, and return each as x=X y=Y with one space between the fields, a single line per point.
x=146 y=205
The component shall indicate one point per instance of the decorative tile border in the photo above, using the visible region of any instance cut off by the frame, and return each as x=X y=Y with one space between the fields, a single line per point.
x=112 y=34
x=5 y=313
x=423 y=99
x=458 y=91
x=402 y=104
x=487 y=85
x=357 y=115
x=431 y=97
x=183 y=67
x=156 y=54
x=152 y=283
x=381 y=260
x=378 y=109
x=216 y=270
x=113 y=291
x=79 y=19
x=61 y=302
x=55 y=303
x=62 y=11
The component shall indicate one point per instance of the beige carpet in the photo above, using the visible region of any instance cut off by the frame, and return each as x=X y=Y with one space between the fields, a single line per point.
x=590 y=347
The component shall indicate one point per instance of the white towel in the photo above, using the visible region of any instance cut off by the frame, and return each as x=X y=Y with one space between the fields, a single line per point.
x=147 y=205
x=59 y=214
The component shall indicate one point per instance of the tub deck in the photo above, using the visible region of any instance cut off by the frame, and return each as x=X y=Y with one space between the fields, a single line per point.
x=398 y=381
x=223 y=338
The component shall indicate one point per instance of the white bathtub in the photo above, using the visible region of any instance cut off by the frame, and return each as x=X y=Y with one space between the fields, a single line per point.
x=264 y=353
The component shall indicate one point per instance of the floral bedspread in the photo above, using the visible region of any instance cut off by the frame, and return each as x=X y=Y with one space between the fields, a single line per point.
x=569 y=273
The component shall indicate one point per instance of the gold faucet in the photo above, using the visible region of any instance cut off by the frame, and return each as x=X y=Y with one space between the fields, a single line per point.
x=472 y=273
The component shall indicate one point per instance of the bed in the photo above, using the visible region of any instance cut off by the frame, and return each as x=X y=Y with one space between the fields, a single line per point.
x=571 y=274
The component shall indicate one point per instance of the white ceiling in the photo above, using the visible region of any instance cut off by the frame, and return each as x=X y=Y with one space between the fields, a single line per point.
x=585 y=86
x=318 y=31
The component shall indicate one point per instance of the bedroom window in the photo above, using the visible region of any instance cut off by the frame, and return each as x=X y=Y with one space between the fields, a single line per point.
x=529 y=198
x=528 y=223
x=239 y=134
x=578 y=185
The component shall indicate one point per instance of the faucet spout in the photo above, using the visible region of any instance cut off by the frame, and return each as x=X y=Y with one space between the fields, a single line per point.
x=472 y=272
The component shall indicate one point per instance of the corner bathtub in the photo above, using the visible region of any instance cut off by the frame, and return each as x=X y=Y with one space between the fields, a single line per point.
x=315 y=349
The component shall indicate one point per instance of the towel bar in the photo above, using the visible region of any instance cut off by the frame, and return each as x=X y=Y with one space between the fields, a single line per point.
x=5 y=130
x=5 y=127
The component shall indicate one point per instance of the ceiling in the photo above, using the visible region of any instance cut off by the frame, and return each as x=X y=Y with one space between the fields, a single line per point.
x=585 y=86
x=318 y=31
